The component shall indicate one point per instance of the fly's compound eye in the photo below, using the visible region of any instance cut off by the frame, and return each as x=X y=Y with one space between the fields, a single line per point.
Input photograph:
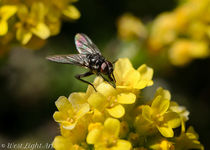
x=104 y=68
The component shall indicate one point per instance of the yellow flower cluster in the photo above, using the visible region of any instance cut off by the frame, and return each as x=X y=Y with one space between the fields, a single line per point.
x=184 y=32
x=33 y=21
x=120 y=118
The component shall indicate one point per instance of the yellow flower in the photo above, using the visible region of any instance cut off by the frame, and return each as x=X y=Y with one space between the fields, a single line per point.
x=105 y=137
x=71 y=139
x=63 y=143
x=109 y=99
x=31 y=23
x=158 y=115
x=130 y=27
x=6 y=12
x=188 y=140
x=183 y=51
x=78 y=134
x=131 y=79
x=71 y=110
x=163 y=145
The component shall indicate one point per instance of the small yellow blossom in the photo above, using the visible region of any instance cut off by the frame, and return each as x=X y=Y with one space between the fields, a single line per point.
x=63 y=143
x=6 y=12
x=158 y=115
x=105 y=137
x=78 y=134
x=130 y=26
x=109 y=99
x=131 y=79
x=31 y=22
x=71 y=110
x=188 y=140
x=163 y=145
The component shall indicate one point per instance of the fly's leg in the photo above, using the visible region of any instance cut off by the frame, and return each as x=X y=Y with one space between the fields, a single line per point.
x=111 y=77
x=79 y=76
x=106 y=80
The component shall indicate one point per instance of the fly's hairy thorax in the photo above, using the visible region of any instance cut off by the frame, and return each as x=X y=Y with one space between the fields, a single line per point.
x=95 y=61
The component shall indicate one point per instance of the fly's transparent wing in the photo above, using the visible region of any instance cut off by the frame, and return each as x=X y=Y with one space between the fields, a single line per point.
x=85 y=45
x=75 y=59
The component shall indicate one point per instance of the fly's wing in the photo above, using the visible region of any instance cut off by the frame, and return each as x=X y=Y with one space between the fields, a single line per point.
x=74 y=59
x=85 y=45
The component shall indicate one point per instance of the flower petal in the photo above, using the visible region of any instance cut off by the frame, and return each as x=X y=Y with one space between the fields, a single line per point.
x=38 y=11
x=84 y=109
x=69 y=125
x=97 y=100
x=122 y=67
x=142 y=84
x=172 y=119
x=3 y=27
x=147 y=113
x=41 y=30
x=23 y=35
x=106 y=89
x=132 y=77
x=77 y=98
x=63 y=104
x=146 y=72
x=159 y=105
x=191 y=133
x=164 y=93
x=117 y=111
x=112 y=126
x=166 y=131
x=7 y=11
x=59 y=116
x=93 y=136
x=22 y=12
x=95 y=131
x=62 y=143
x=126 y=98
x=72 y=12
x=122 y=145
x=90 y=90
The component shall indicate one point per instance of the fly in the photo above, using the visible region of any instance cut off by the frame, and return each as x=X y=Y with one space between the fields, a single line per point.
x=89 y=57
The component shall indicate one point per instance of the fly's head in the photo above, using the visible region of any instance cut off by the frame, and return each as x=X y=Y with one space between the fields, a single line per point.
x=107 y=69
